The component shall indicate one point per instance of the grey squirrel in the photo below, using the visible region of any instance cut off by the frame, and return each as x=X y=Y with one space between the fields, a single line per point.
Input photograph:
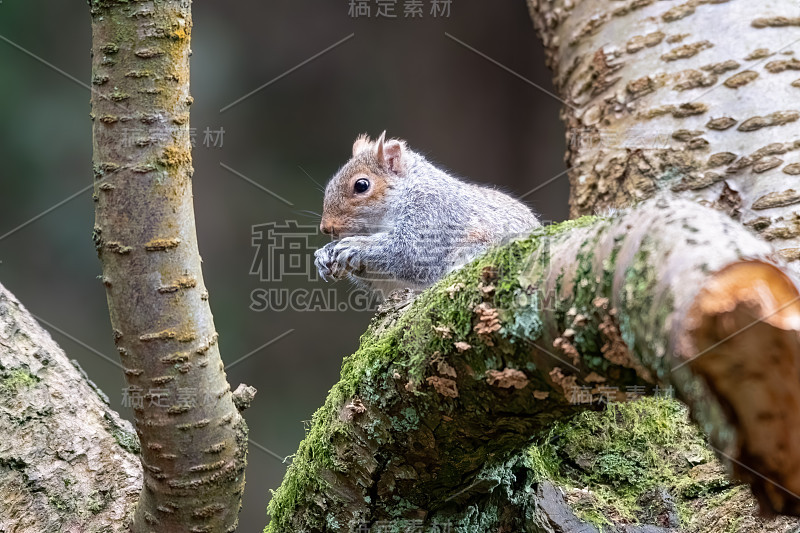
x=400 y=222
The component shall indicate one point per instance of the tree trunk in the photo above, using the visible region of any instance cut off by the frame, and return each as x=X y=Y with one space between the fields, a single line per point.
x=436 y=407
x=68 y=462
x=193 y=439
x=698 y=97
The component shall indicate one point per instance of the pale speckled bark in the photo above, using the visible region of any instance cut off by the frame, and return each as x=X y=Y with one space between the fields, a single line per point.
x=193 y=439
x=699 y=96
x=68 y=462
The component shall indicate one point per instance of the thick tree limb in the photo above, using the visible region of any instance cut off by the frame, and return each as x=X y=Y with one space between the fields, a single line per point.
x=657 y=98
x=461 y=382
x=68 y=462
x=193 y=438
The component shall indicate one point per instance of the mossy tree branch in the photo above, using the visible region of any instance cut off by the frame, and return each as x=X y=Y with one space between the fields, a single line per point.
x=442 y=396
x=193 y=438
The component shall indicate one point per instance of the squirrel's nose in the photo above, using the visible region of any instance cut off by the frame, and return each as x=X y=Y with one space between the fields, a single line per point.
x=326 y=227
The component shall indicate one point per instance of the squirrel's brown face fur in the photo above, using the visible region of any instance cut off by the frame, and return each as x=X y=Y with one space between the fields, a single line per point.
x=355 y=198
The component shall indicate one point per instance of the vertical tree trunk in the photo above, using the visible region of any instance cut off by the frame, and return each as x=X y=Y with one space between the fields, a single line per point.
x=699 y=97
x=193 y=438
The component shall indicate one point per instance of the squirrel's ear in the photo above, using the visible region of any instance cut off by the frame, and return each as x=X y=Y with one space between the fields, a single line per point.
x=389 y=153
x=379 y=146
x=361 y=143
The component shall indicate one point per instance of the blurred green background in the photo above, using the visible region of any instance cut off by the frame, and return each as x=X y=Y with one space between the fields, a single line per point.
x=403 y=75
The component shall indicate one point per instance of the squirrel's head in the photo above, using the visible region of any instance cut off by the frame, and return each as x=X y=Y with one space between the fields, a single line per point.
x=357 y=197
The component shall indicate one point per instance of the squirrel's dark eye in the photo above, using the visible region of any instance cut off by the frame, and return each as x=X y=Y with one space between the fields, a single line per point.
x=361 y=186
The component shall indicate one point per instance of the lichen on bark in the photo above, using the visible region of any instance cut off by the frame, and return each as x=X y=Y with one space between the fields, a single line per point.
x=63 y=465
x=194 y=440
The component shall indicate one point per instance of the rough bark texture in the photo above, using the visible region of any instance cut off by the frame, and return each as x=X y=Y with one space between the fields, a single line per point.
x=68 y=462
x=193 y=438
x=431 y=415
x=697 y=96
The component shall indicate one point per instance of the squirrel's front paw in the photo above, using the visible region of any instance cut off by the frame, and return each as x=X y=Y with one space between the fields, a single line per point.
x=338 y=258
x=349 y=253
x=324 y=260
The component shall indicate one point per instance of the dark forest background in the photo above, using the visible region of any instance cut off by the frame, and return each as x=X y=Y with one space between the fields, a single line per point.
x=403 y=75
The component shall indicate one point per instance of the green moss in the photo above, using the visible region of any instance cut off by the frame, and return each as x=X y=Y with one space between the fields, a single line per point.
x=512 y=297
x=588 y=512
x=408 y=421
x=705 y=488
x=315 y=451
x=725 y=496
x=569 y=225
x=526 y=322
x=642 y=304
x=620 y=454
x=544 y=462
x=96 y=502
x=733 y=525
x=60 y=503
x=587 y=336
x=128 y=441
x=407 y=347
x=17 y=379
x=610 y=265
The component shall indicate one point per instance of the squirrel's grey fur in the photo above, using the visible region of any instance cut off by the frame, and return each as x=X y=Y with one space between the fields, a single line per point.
x=414 y=224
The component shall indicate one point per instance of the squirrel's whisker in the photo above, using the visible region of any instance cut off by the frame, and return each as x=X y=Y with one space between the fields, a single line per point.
x=319 y=187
